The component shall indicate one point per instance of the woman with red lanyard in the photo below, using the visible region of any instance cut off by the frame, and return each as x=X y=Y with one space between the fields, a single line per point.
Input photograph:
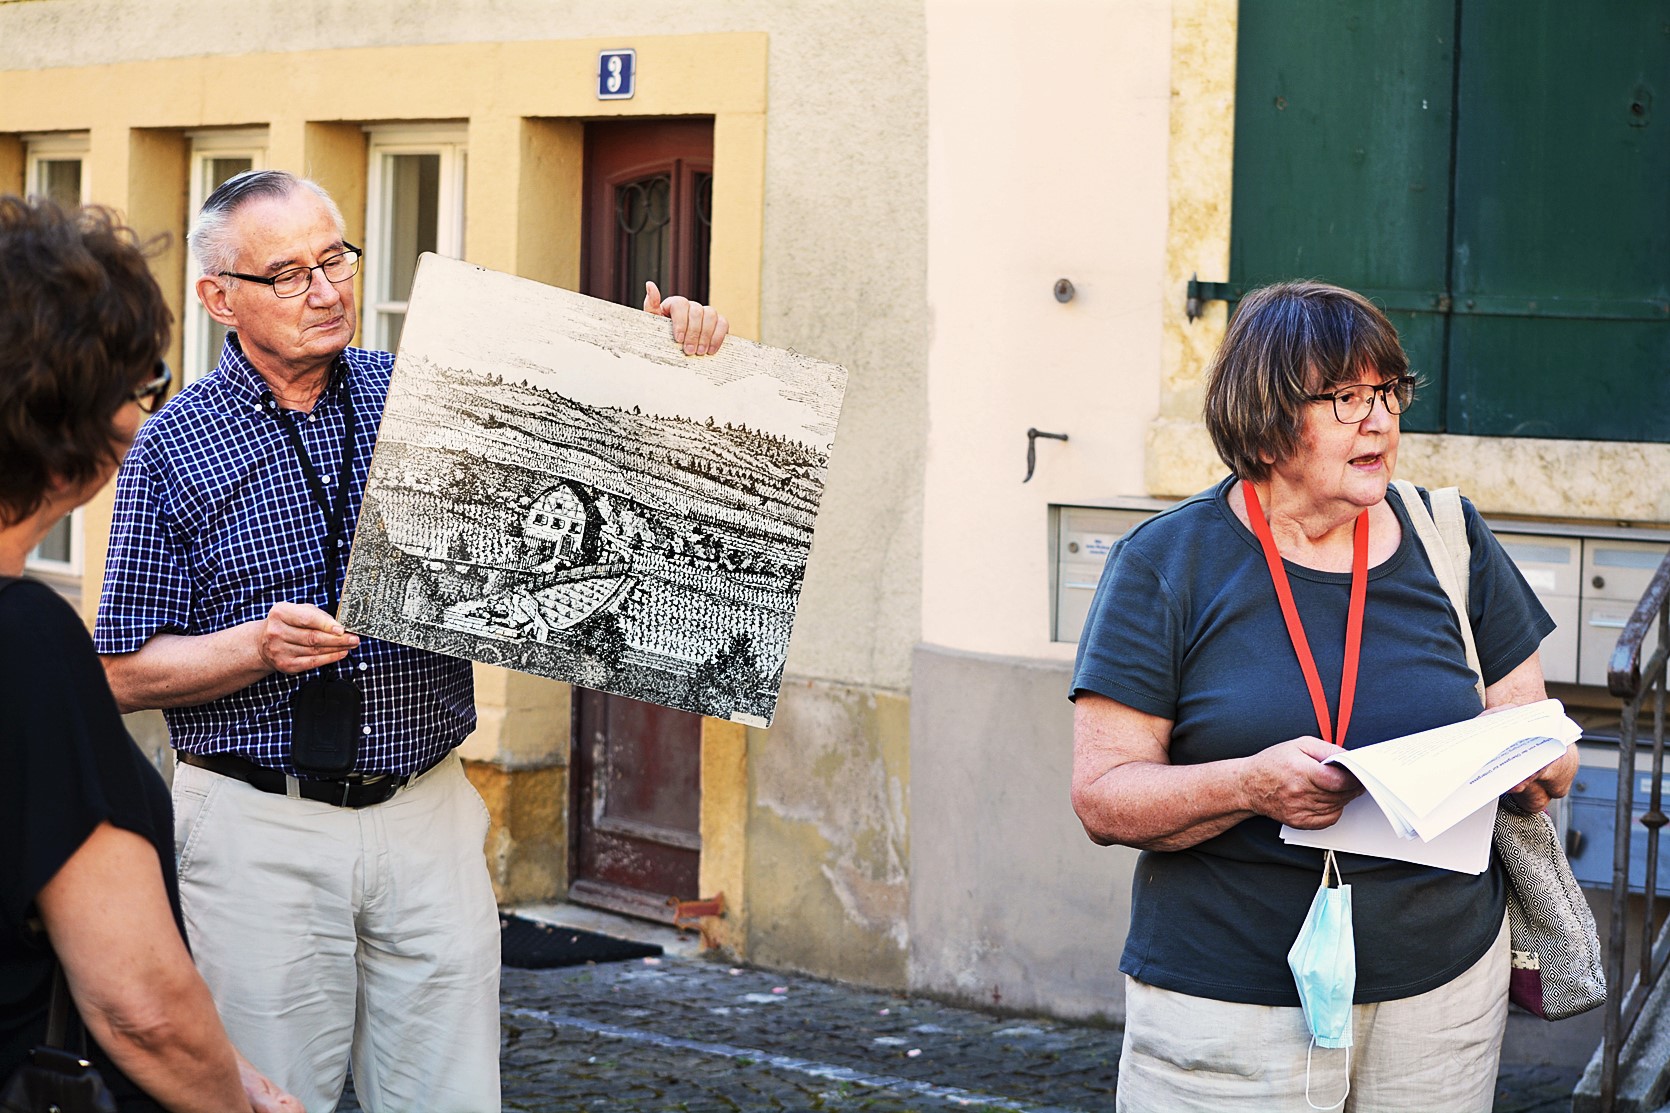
x=1236 y=639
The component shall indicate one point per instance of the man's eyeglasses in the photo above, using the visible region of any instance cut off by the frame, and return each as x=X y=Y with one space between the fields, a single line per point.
x=150 y=393
x=1355 y=403
x=296 y=281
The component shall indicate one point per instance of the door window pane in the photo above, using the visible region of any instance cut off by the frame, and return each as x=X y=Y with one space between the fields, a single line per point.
x=642 y=216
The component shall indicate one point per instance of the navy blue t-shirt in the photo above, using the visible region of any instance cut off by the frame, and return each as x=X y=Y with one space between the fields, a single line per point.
x=1185 y=625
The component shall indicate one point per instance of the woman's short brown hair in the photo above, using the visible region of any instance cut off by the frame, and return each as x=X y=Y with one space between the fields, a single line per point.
x=82 y=323
x=1285 y=343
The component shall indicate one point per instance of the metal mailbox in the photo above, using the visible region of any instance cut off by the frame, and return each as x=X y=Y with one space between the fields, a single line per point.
x=1615 y=576
x=1552 y=566
x=1082 y=538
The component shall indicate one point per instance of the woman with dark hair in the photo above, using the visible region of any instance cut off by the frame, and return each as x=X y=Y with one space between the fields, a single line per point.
x=86 y=828
x=1203 y=715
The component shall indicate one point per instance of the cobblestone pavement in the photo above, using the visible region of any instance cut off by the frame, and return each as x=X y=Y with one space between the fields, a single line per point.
x=687 y=1034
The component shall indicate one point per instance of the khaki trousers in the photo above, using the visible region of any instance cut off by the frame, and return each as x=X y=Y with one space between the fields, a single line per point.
x=1434 y=1053
x=327 y=933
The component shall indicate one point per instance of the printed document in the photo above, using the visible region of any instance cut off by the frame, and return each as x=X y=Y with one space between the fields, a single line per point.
x=1431 y=796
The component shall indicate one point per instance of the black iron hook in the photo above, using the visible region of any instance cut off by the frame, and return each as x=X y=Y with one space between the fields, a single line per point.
x=1032 y=436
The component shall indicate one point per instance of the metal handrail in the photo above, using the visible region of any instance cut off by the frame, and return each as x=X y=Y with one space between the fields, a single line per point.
x=1631 y=681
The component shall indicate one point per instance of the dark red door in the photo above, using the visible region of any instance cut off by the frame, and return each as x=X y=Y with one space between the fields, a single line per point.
x=636 y=787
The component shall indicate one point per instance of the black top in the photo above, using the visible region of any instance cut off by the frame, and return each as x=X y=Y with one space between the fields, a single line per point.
x=67 y=764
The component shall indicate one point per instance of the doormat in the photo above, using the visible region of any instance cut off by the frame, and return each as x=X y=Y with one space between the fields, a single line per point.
x=531 y=945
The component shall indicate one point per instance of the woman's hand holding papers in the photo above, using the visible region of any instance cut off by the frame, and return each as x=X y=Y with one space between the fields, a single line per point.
x=1551 y=783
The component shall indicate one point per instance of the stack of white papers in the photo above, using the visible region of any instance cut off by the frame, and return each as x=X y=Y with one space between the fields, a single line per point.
x=1432 y=796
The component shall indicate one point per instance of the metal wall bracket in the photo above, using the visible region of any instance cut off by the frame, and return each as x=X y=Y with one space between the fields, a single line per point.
x=1032 y=436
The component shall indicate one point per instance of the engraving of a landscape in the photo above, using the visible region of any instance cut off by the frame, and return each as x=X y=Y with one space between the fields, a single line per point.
x=558 y=489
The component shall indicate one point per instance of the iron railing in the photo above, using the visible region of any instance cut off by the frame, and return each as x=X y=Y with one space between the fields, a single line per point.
x=1636 y=683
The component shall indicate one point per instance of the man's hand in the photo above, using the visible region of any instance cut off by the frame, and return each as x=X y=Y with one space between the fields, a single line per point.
x=700 y=328
x=264 y=1096
x=297 y=637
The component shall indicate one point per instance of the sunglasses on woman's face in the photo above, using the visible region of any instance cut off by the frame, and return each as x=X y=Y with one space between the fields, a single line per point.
x=150 y=393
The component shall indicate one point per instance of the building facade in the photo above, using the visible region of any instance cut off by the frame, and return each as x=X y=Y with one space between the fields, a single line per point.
x=990 y=213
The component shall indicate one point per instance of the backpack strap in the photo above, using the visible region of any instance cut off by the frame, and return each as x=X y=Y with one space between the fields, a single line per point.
x=1449 y=553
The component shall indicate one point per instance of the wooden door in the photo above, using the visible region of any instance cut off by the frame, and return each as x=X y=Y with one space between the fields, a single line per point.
x=635 y=842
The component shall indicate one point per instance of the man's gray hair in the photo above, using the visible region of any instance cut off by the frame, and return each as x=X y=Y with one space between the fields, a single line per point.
x=211 y=237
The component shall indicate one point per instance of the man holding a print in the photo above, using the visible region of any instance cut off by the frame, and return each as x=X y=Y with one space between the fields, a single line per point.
x=330 y=846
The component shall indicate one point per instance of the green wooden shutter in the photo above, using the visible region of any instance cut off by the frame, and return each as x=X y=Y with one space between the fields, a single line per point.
x=1507 y=204
x=1561 y=271
x=1342 y=159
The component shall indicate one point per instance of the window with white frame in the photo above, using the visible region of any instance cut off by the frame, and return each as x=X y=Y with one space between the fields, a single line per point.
x=414 y=203
x=56 y=168
x=215 y=157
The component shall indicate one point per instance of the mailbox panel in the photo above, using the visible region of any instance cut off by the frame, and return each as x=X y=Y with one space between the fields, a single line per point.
x=1560 y=647
x=1553 y=567
x=1084 y=537
x=1619 y=569
x=1602 y=621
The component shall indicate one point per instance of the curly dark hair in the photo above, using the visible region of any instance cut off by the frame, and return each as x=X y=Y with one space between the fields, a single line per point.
x=82 y=324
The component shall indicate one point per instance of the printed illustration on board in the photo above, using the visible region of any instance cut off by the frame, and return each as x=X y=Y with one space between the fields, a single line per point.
x=558 y=489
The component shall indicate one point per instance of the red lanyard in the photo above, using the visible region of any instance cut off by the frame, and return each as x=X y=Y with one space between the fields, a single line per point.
x=1296 y=629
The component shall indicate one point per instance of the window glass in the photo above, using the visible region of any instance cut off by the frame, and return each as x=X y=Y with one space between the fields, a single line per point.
x=59 y=179
x=415 y=204
x=56 y=174
x=213 y=173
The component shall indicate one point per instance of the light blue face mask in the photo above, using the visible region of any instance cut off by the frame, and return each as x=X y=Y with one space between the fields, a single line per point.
x=1324 y=964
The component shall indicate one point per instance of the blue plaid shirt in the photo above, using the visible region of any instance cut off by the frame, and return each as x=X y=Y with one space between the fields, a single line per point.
x=214 y=524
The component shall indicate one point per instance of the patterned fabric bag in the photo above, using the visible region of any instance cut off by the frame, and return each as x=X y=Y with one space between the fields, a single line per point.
x=1556 y=968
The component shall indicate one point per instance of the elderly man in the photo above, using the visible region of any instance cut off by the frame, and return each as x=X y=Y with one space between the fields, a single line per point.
x=330 y=847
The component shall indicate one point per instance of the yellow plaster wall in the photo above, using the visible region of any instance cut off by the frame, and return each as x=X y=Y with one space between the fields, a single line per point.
x=724 y=825
x=516 y=96
x=524 y=103
x=828 y=842
x=12 y=162
x=550 y=186
x=1199 y=180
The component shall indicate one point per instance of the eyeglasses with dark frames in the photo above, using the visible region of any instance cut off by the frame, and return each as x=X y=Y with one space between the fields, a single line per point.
x=1353 y=404
x=150 y=393
x=296 y=281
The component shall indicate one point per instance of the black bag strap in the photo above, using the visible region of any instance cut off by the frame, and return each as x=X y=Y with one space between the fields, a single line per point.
x=58 y=1012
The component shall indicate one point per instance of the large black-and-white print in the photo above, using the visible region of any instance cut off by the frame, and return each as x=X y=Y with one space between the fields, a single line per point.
x=558 y=489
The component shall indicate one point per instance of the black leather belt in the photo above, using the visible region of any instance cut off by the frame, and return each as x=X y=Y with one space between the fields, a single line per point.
x=358 y=791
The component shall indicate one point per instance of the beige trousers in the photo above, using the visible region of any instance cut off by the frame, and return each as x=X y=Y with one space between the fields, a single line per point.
x=1433 y=1053
x=327 y=933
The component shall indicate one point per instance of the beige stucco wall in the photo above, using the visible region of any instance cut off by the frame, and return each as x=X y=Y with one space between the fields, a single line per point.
x=1047 y=160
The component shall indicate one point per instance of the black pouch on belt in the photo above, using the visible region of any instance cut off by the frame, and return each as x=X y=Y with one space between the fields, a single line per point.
x=325 y=727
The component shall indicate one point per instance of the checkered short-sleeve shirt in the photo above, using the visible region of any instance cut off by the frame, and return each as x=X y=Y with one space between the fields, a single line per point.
x=214 y=524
